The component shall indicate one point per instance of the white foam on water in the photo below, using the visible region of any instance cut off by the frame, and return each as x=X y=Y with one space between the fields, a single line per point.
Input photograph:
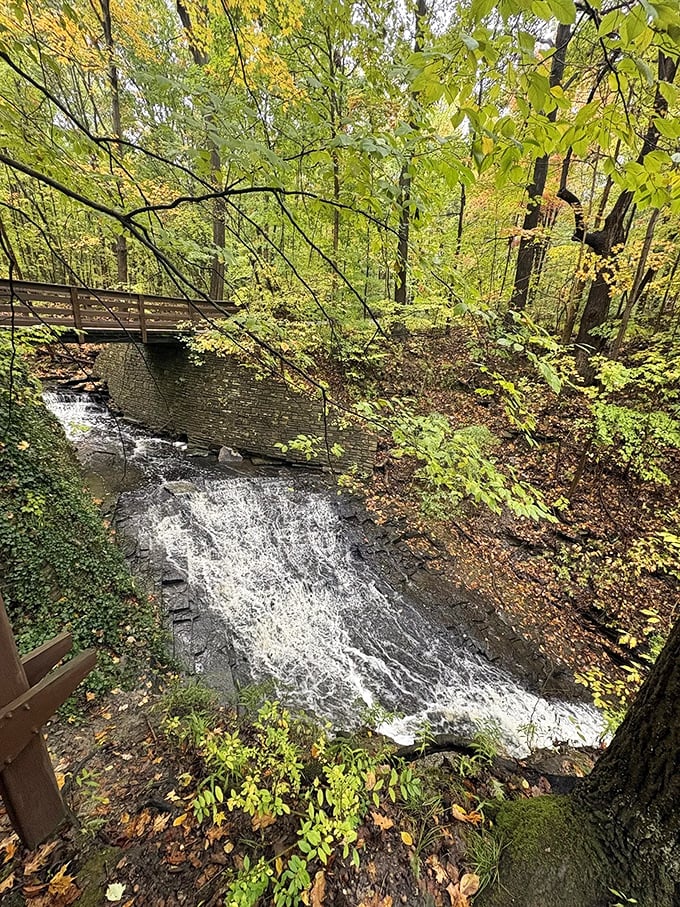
x=277 y=566
x=275 y=563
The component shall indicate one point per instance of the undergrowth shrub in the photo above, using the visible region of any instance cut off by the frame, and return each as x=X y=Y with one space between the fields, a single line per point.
x=458 y=466
x=278 y=768
x=59 y=567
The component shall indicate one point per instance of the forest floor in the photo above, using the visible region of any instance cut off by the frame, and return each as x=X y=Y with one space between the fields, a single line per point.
x=574 y=588
x=131 y=837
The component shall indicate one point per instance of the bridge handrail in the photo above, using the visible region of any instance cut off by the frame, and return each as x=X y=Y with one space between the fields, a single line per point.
x=86 y=309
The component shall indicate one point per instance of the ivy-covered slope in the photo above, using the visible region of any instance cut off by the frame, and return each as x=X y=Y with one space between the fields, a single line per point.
x=59 y=568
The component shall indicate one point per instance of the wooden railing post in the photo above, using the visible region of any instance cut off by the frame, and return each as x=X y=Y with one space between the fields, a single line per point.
x=75 y=306
x=28 y=785
x=142 y=316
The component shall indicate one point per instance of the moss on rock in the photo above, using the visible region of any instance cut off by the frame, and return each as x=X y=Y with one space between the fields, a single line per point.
x=552 y=856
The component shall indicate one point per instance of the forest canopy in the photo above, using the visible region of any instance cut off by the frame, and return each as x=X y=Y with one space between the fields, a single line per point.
x=339 y=169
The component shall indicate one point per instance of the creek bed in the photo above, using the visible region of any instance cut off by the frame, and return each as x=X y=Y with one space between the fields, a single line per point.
x=262 y=581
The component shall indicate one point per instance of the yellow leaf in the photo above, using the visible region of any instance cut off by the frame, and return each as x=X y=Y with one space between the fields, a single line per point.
x=228 y=847
x=179 y=820
x=406 y=838
x=474 y=818
x=469 y=884
x=60 y=883
x=278 y=864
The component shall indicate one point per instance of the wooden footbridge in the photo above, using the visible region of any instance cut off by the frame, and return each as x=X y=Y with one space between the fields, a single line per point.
x=102 y=316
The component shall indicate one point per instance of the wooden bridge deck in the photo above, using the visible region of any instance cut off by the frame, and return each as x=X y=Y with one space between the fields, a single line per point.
x=101 y=316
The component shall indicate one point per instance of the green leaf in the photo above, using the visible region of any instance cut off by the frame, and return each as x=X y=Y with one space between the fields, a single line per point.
x=564 y=11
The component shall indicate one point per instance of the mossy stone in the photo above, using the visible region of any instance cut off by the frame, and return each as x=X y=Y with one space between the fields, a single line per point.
x=552 y=856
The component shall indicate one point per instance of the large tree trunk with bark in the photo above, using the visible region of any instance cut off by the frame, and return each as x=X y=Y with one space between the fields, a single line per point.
x=529 y=243
x=612 y=235
x=634 y=790
x=619 y=829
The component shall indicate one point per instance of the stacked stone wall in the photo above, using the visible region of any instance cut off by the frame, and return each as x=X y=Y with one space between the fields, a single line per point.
x=221 y=401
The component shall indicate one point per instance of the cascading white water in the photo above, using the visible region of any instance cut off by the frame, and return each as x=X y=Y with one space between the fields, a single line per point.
x=275 y=562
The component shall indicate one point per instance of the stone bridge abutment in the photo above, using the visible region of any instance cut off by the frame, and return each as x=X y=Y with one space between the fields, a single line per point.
x=221 y=401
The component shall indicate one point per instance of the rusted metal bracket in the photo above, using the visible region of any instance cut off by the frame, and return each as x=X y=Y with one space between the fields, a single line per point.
x=41 y=660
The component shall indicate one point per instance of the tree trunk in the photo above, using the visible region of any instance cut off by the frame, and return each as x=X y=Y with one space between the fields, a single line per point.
x=529 y=246
x=612 y=236
x=638 y=282
x=404 y=228
x=589 y=340
x=403 y=232
x=202 y=58
x=120 y=246
x=8 y=249
x=218 y=231
x=335 y=106
x=664 y=301
x=634 y=790
x=619 y=829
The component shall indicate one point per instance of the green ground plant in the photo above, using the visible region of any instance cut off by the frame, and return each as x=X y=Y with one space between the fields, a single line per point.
x=280 y=768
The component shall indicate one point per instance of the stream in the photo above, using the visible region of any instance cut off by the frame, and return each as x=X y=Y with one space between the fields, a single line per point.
x=262 y=582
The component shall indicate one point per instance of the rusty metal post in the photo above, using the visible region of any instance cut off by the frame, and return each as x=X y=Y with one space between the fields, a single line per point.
x=28 y=785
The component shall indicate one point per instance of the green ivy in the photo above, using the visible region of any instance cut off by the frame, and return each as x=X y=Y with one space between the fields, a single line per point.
x=59 y=567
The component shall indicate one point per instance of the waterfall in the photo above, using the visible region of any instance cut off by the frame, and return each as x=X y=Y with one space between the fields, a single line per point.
x=270 y=557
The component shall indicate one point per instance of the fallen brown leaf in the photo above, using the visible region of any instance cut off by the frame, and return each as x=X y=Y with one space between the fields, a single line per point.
x=457 y=899
x=383 y=822
x=376 y=901
x=469 y=884
x=160 y=822
x=318 y=891
x=8 y=883
x=39 y=858
x=474 y=818
x=32 y=891
x=440 y=873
